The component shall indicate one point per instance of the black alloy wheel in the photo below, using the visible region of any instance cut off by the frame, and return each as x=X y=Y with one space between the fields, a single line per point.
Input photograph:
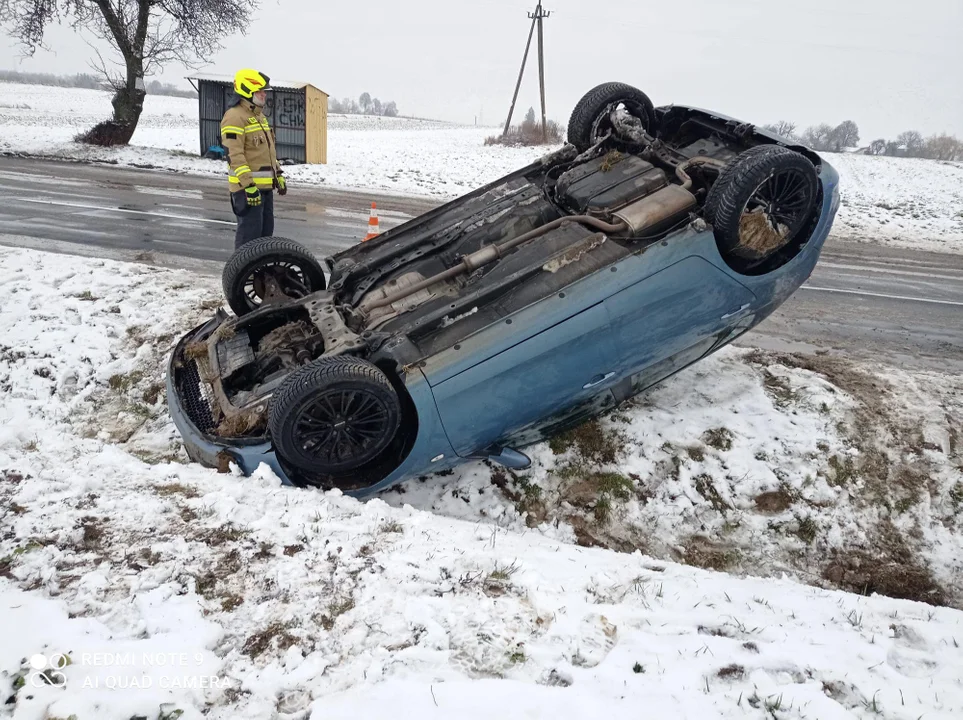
x=761 y=202
x=786 y=199
x=334 y=415
x=340 y=425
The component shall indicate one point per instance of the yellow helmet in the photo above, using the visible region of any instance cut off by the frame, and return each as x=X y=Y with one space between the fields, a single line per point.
x=248 y=82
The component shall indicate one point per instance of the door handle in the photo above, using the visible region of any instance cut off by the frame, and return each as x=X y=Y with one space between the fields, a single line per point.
x=734 y=312
x=597 y=380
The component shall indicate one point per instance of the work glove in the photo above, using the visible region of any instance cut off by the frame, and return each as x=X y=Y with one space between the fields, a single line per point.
x=282 y=185
x=253 y=196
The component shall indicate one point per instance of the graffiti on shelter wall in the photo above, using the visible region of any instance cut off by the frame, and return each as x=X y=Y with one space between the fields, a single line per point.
x=288 y=110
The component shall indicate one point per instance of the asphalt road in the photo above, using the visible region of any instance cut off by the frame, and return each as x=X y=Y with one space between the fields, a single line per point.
x=901 y=307
x=183 y=220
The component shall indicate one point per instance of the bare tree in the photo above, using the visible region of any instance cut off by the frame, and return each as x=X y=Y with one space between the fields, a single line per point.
x=145 y=34
x=391 y=109
x=845 y=135
x=819 y=137
x=365 y=102
x=784 y=128
x=911 y=142
x=943 y=147
x=877 y=147
x=377 y=107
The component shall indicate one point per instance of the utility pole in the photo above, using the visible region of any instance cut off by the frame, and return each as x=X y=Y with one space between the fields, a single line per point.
x=536 y=19
x=518 y=85
x=538 y=16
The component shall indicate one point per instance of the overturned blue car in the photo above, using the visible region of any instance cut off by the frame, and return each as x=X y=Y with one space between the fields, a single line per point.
x=653 y=238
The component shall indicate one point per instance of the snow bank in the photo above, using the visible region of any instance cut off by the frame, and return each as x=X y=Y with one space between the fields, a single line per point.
x=173 y=588
x=903 y=202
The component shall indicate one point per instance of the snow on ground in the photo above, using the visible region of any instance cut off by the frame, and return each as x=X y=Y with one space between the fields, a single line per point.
x=399 y=155
x=906 y=202
x=901 y=202
x=753 y=462
x=231 y=597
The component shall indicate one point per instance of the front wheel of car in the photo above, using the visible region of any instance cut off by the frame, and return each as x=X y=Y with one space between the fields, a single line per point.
x=762 y=202
x=334 y=415
x=591 y=119
x=269 y=268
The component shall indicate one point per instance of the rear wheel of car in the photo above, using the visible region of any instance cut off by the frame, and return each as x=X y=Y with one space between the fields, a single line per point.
x=591 y=118
x=712 y=199
x=762 y=202
x=334 y=415
x=269 y=268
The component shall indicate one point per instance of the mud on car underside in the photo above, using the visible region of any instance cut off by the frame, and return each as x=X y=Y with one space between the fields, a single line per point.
x=318 y=371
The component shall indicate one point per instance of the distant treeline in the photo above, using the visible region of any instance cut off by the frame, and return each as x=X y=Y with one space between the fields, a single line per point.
x=87 y=81
x=845 y=136
x=364 y=105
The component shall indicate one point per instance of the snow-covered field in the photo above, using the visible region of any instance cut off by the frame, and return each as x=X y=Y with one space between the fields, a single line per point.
x=474 y=595
x=902 y=202
x=395 y=154
x=905 y=202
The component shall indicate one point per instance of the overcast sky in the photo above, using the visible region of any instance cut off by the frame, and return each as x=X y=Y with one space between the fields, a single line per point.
x=890 y=65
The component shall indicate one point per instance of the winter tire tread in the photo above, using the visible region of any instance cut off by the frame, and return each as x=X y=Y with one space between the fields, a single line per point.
x=729 y=194
x=249 y=255
x=595 y=101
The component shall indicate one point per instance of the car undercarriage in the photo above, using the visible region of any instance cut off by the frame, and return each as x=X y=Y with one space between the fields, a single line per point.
x=632 y=177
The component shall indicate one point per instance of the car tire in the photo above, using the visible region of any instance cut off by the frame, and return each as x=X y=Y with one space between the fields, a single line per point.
x=295 y=268
x=583 y=124
x=334 y=415
x=712 y=198
x=761 y=202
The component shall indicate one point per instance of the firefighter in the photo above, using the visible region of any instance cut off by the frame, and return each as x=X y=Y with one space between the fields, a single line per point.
x=254 y=169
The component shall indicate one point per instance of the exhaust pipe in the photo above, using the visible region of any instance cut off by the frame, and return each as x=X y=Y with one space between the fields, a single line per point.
x=491 y=253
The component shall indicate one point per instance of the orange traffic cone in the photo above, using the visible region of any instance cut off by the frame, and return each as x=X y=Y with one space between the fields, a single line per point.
x=373 y=230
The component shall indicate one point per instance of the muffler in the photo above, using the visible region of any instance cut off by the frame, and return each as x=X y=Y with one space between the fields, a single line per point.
x=658 y=210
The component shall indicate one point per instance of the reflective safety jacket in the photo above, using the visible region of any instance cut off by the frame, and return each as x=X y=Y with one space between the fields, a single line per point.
x=250 y=145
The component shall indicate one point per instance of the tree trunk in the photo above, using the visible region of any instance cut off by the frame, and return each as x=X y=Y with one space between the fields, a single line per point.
x=128 y=103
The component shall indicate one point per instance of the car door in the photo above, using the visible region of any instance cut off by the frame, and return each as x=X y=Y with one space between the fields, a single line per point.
x=673 y=318
x=550 y=374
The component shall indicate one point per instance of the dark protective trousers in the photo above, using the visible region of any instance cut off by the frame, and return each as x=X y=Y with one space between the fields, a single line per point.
x=252 y=222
